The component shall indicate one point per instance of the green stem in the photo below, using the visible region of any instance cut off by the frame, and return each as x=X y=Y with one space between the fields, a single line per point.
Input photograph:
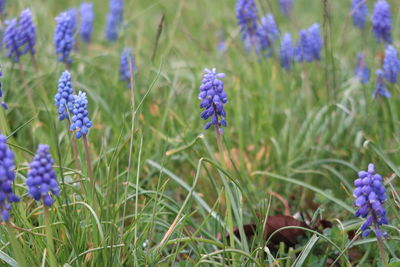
x=49 y=237
x=74 y=147
x=229 y=216
x=88 y=161
x=379 y=240
x=382 y=251
x=16 y=245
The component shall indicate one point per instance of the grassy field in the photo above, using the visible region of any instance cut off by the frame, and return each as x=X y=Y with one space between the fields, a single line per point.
x=169 y=193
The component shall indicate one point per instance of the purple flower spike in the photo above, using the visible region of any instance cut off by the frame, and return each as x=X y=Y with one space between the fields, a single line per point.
x=2 y=6
x=382 y=22
x=315 y=40
x=246 y=14
x=42 y=179
x=286 y=6
x=303 y=50
x=380 y=87
x=359 y=12
x=391 y=64
x=87 y=18
x=11 y=40
x=115 y=19
x=213 y=98
x=27 y=32
x=3 y=104
x=309 y=45
x=7 y=176
x=370 y=196
x=126 y=63
x=80 y=121
x=267 y=33
x=361 y=71
x=64 y=99
x=287 y=52
x=64 y=36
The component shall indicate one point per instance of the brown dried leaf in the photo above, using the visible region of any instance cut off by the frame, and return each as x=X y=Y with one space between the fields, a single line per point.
x=274 y=223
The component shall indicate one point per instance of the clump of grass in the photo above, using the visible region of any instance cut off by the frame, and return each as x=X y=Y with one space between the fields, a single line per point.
x=157 y=188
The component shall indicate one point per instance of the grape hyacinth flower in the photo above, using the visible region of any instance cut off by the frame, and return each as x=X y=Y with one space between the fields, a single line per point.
x=64 y=36
x=87 y=18
x=1 y=84
x=380 y=87
x=3 y=104
x=2 y=6
x=213 y=98
x=41 y=177
x=309 y=45
x=359 y=12
x=391 y=64
x=303 y=50
x=27 y=32
x=382 y=22
x=126 y=63
x=246 y=14
x=11 y=40
x=80 y=121
x=286 y=6
x=114 y=19
x=74 y=17
x=361 y=71
x=315 y=40
x=370 y=194
x=64 y=98
x=286 y=52
x=7 y=171
x=267 y=33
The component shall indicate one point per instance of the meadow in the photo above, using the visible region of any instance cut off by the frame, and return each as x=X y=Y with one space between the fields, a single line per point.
x=130 y=175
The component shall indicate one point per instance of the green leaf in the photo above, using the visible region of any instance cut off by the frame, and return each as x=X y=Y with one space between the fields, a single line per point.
x=7 y=259
x=306 y=251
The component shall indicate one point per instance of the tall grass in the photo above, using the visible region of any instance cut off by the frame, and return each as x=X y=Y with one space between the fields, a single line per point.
x=165 y=194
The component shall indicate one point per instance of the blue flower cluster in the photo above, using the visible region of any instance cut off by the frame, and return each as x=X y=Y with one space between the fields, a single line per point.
x=359 y=12
x=267 y=33
x=3 y=104
x=246 y=14
x=11 y=40
x=361 y=71
x=382 y=21
x=64 y=36
x=309 y=45
x=20 y=37
x=86 y=23
x=27 y=32
x=315 y=40
x=7 y=176
x=380 y=87
x=127 y=62
x=41 y=177
x=303 y=49
x=115 y=19
x=80 y=120
x=286 y=6
x=2 y=6
x=73 y=13
x=391 y=64
x=64 y=99
x=370 y=194
x=286 y=52
x=213 y=98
